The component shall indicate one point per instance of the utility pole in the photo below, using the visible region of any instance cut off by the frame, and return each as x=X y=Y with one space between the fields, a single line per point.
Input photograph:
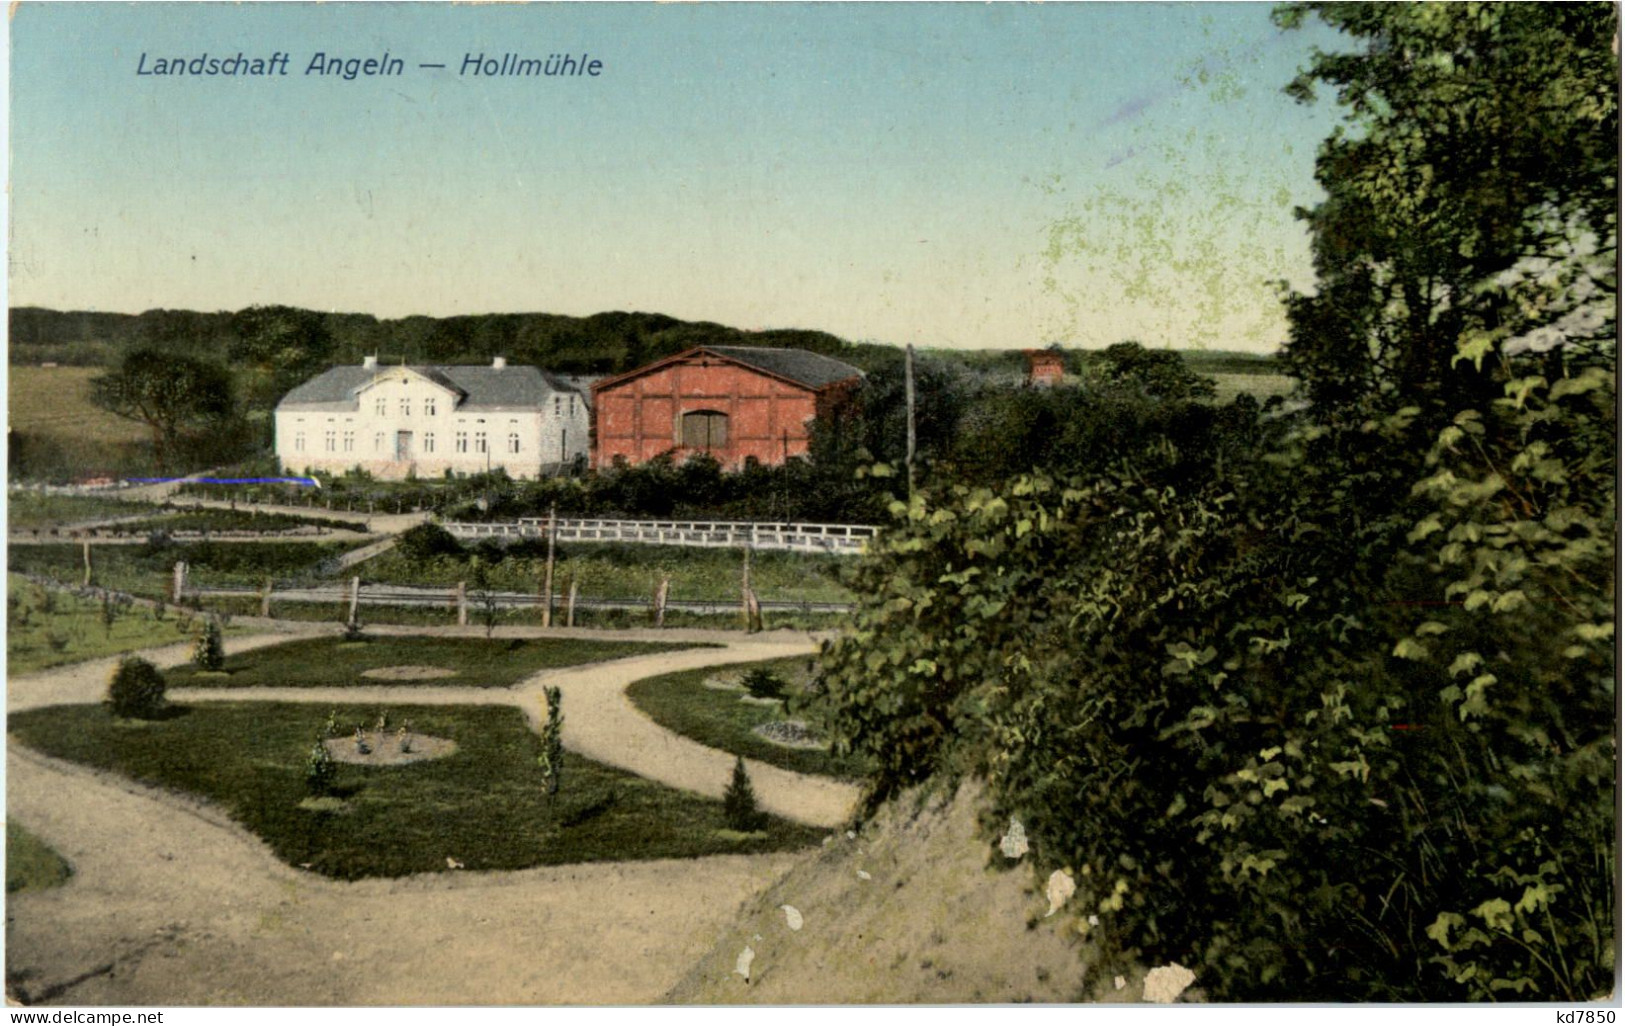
x=908 y=399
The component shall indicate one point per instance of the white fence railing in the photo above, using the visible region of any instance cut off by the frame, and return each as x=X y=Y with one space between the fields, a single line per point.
x=840 y=539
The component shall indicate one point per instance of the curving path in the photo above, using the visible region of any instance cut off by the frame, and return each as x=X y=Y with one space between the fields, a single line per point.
x=171 y=903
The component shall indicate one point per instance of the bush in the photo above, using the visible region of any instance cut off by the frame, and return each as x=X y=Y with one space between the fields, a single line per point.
x=739 y=802
x=762 y=682
x=136 y=691
x=426 y=542
x=209 y=653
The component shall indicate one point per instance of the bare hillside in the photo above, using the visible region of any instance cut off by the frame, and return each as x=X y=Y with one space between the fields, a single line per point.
x=909 y=910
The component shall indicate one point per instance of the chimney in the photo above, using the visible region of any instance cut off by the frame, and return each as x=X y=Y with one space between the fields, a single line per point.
x=369 y=362
x=499 y=362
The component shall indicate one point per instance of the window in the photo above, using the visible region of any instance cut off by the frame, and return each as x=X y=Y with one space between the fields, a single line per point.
x=299 y=441
x=428 y=441
x=558 y=404
x=479 y=441
x=330 y=443
x=381 y=406
x=406 y=407
x=572 y=406
x=462 y=441
x=705 y=429
x=513 y=442
x=378 y=442
x=349 y=441
x=428 y=407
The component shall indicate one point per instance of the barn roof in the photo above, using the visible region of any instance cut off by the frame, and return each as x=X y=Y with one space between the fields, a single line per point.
x=810 y=370
x=478 y=387
x=799 y=365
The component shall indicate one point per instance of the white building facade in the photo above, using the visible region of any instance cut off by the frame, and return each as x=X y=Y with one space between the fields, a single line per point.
x=398 y=422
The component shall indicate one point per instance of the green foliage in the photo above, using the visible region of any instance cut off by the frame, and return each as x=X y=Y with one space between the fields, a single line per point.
x=321 y=772
x=551 y=759
x=209 y=652
x=762 y=682
x=739 y=801
x=1333 y=722
x=136 y=691
x=168 y=392
x=426 y=542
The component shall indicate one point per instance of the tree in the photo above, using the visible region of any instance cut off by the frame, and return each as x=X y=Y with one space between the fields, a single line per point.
x=136 y=691
x=1480 y=136
x=552 y=758
x=1150 y=373
x=168 y=392
x=209 y=653
x=739 y=801
x=278 y=347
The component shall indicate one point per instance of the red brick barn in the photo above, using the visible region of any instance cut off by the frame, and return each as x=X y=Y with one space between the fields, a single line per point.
x=1045 y=367
x=733 y=402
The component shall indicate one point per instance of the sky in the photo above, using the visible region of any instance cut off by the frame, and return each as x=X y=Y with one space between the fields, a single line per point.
x=955 y=175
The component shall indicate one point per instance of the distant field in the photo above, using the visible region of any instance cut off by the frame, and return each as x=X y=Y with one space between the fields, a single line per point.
x=1262 y=386
x=58 y=436
x=56 y=401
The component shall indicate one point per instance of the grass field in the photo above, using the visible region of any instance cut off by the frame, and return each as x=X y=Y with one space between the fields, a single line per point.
x=28 y=510
x=484 y=805
x=46 y=627
x=56 y=401
x=31 y=864
x=634 y=572
x=478 y=662
x=718 y=718
x=1260 y=386
x=58 y=435
x=148 y=570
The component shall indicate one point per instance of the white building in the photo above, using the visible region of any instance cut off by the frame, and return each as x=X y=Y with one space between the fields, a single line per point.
x=425 y=420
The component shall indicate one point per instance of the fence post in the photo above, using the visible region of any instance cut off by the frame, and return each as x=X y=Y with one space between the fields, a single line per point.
x=180 y=582
x=462 y=604
x=87 y=562
x=744 y=590
x=355 y=597
x=265 y=598
x=570 y=607
x=547 y=578
x=660 y=600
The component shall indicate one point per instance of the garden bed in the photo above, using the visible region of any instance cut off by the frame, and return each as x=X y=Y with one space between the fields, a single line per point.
x=483 y=807
x=477 y=662
x=692 y=703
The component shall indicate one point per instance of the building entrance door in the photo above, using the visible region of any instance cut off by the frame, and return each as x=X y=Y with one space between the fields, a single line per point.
x=403 y=445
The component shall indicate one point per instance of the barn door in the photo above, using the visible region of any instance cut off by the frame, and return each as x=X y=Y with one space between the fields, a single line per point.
x=705 y=429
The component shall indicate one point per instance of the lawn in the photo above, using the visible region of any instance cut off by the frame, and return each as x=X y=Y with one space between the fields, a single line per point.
x=46 y=627
x=1259 y=386
x=484 y=805
x=235 y=520
x=720 y=718
x=31 y=864
x=478 y=662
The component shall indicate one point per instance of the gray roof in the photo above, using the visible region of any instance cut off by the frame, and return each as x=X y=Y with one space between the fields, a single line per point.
x=479 y=387
x=798 y=365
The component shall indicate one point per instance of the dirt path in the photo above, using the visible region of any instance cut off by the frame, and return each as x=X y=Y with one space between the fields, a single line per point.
x=171 y=903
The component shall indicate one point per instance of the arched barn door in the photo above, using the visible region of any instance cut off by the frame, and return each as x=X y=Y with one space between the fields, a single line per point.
x=706 y=430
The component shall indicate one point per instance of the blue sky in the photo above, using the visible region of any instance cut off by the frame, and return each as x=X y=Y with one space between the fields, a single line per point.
x=955 y=175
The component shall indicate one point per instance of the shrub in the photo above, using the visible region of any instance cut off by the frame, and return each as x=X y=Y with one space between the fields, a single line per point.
x=739 y=802
x=209 y=653
x=762 y=682
x=552 y=758
x=427 y=541
x=136 y=691
x=321 y=771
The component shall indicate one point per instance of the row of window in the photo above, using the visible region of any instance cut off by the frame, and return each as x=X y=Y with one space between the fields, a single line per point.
x=381 y=437
x=380 y=406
